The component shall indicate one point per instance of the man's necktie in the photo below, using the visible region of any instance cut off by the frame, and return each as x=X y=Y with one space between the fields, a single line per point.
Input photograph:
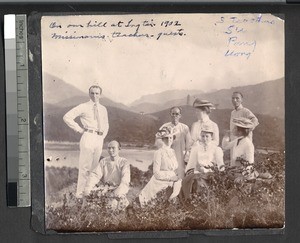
x=97 y=117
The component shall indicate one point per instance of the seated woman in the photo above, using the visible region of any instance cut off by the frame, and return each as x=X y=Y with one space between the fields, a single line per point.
x=164 y=168
x=205 y=154
x=243 y=150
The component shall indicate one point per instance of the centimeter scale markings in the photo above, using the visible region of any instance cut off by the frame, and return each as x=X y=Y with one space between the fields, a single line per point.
x=17 y=111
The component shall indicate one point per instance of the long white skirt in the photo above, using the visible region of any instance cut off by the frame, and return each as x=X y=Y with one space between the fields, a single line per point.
x=153 y=187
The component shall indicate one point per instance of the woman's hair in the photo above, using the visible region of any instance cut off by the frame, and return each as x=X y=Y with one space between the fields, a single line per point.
x=205 y=108
x=244 y=131
x=165 y=138
x=206 y=132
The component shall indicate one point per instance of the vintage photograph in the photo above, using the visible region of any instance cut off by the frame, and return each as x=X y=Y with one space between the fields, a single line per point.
x=163 y=122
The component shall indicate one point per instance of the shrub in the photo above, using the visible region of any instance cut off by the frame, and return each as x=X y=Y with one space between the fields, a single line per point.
x=223 y=204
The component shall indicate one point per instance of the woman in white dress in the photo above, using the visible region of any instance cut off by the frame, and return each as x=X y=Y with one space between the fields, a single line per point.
x=203 y=109
x=205 y=155
x=164 y=168
x=243 y=150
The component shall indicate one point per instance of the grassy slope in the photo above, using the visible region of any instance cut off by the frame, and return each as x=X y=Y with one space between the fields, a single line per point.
x=224 y=205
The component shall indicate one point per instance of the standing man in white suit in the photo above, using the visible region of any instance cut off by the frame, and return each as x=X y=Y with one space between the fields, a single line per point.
x=93 y=117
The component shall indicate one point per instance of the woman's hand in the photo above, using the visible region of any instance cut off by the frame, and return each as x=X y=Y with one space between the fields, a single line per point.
x=174 y=178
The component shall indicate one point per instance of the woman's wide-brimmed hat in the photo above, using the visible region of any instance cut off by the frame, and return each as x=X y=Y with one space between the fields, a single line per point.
x=165 y=132
x=242 y=122
x=203 y=103
x=207 y=128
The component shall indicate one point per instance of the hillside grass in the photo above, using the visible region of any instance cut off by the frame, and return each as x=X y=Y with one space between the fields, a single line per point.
x=223 y=205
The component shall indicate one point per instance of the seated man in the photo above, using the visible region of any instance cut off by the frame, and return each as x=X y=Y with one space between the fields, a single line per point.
x=112 y=174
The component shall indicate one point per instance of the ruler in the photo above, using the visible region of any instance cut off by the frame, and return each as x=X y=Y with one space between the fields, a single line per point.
x=17 y=111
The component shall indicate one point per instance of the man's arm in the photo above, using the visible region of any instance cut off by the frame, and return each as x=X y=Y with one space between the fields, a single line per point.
x=71 y=115
x=123 y=188
x=252 y=117
x=105 y=126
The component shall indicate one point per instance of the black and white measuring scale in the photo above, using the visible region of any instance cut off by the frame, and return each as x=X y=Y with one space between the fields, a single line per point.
x=17 y=111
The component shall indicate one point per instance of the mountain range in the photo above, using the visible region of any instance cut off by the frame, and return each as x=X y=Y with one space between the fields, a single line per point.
x=264 y=98
x=135 y=126
x=139 y=130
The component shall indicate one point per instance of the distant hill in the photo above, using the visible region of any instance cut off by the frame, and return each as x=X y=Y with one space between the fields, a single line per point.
x=264 y=98
x=61 y=94
x=146 y=107
x=56 y=90
x=124 y=125
x=137 y=129
x=160 y=98
x=76 y=100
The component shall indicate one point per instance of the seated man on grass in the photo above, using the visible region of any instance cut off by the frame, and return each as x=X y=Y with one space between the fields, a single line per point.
x=111 y=177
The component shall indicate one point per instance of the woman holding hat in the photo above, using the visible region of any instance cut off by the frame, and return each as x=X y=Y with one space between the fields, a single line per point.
x=205 y=154
x=203 y=109
x=164 y=168
x=242 y=148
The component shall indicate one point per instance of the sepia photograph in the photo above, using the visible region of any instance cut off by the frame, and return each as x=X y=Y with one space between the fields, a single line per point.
x=155 y=122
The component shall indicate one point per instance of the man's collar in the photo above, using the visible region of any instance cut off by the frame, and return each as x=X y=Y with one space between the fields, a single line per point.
x=92 y=102
x=115 y=159
x=239 y=107
x=174 y=124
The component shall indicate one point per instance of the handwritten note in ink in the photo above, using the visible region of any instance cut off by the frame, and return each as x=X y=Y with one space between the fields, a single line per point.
x=240 y=42
x=111 y=30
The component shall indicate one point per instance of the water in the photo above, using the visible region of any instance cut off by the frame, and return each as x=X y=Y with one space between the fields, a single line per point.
x=69 y=158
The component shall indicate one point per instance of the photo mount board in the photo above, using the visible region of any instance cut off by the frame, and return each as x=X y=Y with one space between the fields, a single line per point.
x=37 y=146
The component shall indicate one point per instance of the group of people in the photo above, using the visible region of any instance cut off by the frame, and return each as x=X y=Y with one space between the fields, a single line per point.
x=183 y=157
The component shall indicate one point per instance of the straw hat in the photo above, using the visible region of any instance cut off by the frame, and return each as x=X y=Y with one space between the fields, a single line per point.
x=242 y=122
x=164 y=132
x=202 y=103
x=207 y=128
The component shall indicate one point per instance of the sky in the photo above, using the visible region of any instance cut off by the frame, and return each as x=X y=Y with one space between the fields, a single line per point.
x=173 y=51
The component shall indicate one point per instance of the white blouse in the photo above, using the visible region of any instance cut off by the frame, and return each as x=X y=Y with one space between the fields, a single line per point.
x=164 y=163
x=203 y=156
x=242 y=147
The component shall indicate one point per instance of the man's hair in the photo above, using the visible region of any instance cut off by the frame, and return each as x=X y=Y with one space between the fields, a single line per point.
x=95 y=86
x=176 y=107
x=238 y=92
x=119 y=144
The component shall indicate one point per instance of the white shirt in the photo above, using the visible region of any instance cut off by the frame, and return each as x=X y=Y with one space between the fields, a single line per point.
x=114 y=173
x=242 y=147
x=87 y=117
x=164 y=163
x=197 y=128
x=205 y=155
